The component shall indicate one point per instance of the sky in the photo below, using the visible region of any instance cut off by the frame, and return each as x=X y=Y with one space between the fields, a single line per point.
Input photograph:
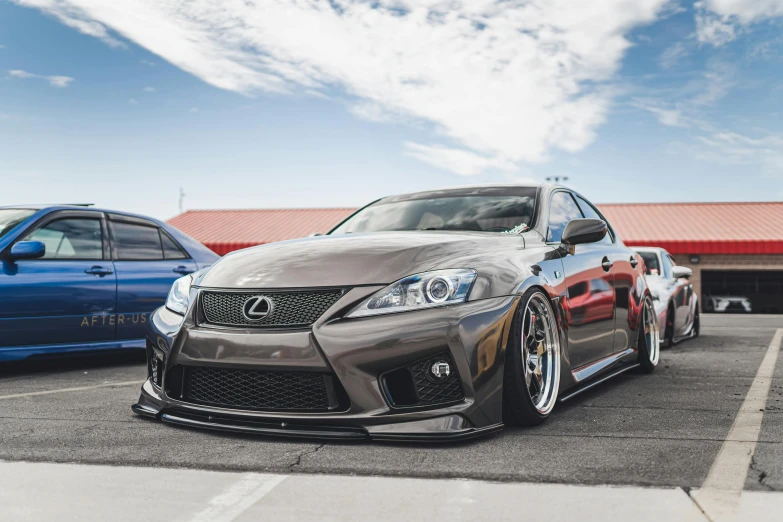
x=333 y=103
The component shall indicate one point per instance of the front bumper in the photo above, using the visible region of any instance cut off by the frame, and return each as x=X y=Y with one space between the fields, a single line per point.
x=358 y=353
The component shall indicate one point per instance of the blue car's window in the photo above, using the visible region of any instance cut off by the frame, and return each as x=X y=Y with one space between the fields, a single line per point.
x=562 y=210
x=171 y=249
x=10 y=217
x=136 y=242
x=70 y=238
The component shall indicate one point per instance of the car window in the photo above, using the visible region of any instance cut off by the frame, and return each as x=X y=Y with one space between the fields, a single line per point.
x=667 y=267
x=562 y=209
x=137 y=242
x=171 y=250
x=70 y=238
x=494 y=213
x=589 y=211
x=651 y=263
x=10 y=217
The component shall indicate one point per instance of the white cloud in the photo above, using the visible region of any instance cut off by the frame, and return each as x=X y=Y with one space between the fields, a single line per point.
x=149 y=89
x=733 y=148
x=459 y=161
x=714 y=30
x=718 y=21
x=147 y=62
x=193 y=110
x=133 y=101
x=2 y=46
x=746 y=11
x=673 y=55
x=59 y=81
x=54 y=81
x=18 y=73
x=506 y=80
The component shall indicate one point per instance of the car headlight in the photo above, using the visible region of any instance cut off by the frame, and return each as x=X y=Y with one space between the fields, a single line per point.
x=179 y=295
x=425 y=290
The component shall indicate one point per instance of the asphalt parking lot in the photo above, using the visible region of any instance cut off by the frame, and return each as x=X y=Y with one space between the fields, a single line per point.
x=660 y=430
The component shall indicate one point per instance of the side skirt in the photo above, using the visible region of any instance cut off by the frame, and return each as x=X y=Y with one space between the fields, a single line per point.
x=573 y=393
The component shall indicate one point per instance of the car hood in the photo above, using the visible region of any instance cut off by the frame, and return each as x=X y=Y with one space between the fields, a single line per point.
x=350 y=260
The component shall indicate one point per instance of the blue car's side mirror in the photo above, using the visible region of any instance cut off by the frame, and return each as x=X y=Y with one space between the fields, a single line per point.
x=27 y=250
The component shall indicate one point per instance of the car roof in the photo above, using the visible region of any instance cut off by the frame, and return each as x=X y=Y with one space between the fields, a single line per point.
x=464 y=190
x=82 y=208
x=648 y=249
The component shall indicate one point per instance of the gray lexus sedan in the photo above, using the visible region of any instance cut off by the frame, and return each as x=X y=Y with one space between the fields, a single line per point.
x=437 y=315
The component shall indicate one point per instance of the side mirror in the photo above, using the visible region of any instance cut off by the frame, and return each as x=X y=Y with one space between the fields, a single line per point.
x=680 y=272
x=580 y=231
x=27 y=250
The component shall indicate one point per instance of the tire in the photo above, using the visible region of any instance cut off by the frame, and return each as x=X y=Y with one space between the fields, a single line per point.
x=531 y=381
x=648 y=343
x=668 y=335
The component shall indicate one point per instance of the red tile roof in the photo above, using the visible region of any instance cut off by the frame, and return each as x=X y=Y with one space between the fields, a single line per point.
x=680 y=228
x=226 y=230
x=700 y=228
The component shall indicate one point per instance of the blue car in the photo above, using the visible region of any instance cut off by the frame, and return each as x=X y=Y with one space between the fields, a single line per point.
x=78 y=278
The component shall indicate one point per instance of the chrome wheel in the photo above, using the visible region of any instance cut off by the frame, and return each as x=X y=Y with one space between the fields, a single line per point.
x=540 y=353
x=651 y=333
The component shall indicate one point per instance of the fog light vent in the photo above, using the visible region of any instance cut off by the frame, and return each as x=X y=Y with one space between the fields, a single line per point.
x=427 y=382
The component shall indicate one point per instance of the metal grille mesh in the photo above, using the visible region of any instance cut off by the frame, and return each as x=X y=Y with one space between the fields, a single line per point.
x=258 y=390
x=431 y=391
x=289 y=308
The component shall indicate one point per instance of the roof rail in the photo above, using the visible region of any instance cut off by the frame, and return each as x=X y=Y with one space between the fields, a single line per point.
x=80 y=204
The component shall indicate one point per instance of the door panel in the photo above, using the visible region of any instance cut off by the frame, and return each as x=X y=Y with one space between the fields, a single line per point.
x=147 y=264
x=590 y=287
x=142 y=286
x=591 y=305
x=68 y=296
x=627 y=308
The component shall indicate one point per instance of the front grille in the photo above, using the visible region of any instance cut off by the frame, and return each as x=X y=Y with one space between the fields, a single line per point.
x=289 y=309
x=262 y=390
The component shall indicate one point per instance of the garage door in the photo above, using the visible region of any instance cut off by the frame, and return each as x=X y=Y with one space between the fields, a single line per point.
x=721 y=290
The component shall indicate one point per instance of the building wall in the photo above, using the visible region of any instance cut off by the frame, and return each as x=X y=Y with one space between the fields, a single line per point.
x=728 y=262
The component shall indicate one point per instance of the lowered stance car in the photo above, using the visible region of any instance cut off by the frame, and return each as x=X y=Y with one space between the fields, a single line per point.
x=76 y=278
x=437 y=315
x=676 y=305
x=727 y=304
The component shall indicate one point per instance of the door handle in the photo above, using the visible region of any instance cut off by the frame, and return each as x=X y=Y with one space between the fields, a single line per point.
x=99 y=270
x=183 y=270
x=634 y=262
x=606 y=264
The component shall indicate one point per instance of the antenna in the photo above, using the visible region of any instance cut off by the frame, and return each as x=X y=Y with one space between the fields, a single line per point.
x=181 y=200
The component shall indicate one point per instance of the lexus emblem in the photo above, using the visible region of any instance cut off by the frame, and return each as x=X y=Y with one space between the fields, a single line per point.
x=257 y=308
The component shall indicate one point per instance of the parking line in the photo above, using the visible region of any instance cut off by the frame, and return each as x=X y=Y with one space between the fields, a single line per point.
x=720 y=494
x=64 y=390
x=238 y=497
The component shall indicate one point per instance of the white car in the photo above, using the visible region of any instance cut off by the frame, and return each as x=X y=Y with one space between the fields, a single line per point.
x=727 y=304
x=676 y=305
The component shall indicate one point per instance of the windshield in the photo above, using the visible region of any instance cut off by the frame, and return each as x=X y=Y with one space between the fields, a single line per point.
x=509 y=214
x=10 y=217
x=651 y=260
